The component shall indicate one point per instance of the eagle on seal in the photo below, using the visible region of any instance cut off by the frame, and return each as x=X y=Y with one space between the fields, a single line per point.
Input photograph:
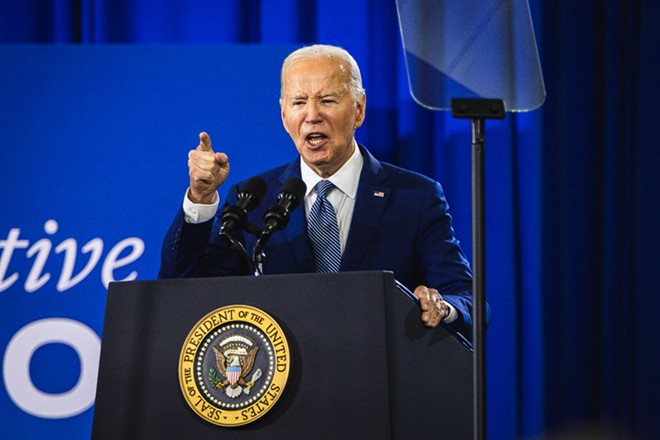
x=235 y=364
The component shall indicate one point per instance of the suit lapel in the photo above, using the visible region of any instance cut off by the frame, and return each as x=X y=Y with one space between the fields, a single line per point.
x=370 y=202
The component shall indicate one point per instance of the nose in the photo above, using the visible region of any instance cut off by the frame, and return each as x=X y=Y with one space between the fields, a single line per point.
x=313 y=112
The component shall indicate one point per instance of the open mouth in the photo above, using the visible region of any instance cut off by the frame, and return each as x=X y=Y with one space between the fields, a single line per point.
x=316 y=139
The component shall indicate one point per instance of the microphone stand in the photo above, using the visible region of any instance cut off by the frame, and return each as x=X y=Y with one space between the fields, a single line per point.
x=253 y=229
x=258 y=254
x=478 y=110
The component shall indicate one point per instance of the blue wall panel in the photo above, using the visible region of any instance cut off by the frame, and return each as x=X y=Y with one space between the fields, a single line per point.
x=93 y=166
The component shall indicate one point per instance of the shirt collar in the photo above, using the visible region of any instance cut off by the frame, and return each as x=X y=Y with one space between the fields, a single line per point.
x=346 y=178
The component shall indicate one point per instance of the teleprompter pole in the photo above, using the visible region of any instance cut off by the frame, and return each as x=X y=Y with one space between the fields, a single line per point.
x=478 y=110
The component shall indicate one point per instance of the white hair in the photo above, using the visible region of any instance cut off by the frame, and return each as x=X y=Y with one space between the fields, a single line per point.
x=354 y=80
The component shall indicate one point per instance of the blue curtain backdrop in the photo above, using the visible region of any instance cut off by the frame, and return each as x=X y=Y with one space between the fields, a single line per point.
x=571 y=211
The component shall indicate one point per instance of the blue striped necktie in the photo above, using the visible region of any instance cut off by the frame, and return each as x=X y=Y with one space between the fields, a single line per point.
x=323 y=230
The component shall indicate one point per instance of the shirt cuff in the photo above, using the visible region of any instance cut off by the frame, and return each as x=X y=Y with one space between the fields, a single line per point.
x=453 y=314
x=199 y=213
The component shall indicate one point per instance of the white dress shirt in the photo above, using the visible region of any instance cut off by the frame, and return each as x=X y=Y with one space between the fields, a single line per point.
x=342 y=198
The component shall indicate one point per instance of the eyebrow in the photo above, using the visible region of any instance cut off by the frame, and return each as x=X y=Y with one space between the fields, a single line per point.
x=326 y=95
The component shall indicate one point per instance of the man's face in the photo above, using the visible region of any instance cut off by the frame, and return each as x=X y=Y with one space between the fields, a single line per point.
x=319 y=112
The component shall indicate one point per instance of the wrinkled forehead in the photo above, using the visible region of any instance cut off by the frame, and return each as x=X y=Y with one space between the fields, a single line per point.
x=315 y=76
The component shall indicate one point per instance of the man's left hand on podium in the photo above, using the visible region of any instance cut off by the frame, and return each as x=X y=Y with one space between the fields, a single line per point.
x=434 y=308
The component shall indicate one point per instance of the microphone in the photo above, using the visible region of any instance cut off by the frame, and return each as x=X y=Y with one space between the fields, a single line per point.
x=290 y=196
x=277 y=217
x=234 y=217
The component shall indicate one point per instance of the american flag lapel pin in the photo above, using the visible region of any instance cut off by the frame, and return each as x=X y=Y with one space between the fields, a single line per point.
x=379 y=194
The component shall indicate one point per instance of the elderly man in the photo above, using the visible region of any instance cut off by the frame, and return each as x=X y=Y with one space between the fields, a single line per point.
x=382 y=217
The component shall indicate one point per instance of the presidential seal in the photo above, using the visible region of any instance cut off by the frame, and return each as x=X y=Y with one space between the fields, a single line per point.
x=234 y=365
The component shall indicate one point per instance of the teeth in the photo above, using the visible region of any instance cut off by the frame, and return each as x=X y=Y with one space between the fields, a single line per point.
x=315 y=138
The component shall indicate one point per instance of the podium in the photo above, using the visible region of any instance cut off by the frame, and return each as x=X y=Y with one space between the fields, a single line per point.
x=362 y=365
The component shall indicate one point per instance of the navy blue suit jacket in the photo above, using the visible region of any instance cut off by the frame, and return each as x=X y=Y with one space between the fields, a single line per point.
x=401 y=223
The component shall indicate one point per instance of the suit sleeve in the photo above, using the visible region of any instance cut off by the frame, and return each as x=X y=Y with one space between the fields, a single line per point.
x=196 y=250
x=442 y=261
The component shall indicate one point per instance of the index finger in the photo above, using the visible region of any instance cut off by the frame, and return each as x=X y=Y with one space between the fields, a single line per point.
x=422 y=293
x=204 y=142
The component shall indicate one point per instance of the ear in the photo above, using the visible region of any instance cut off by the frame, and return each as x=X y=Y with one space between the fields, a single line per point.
x=283 y=115
x=360 y=109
